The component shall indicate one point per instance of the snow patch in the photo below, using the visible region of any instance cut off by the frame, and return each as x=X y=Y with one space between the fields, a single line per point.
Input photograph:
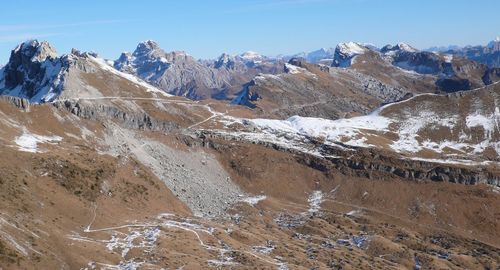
x=350 y=49
x=448 y=58
x=254 y=200
x=148 y=238
x=354 y=213
x=28 y=142
x=149 y=88
x=331 y=130
x=292 y=69
x=405 y=47
x=251 y=55
x=315 y=200
x=488 y=123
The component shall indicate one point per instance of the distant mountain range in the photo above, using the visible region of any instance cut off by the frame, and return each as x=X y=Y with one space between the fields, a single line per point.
x=37 y=73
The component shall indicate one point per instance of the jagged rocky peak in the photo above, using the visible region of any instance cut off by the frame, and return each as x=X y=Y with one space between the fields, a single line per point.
x=494 y=44
x=148 y=57
x=176 y=56
x=34 y=72
x=125 y=62
x=125 y=57
x=345 y=52
x=225 y=60
x=251 y=55
x=149 y=48
x=79 y=53
x=33 y=50
x=350 y=48
x=400 y=47
x=150 y=51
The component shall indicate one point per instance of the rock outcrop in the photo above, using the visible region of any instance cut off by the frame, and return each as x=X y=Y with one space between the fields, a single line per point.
x=34 y=72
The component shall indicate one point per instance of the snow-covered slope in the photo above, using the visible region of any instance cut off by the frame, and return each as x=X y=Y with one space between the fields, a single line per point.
x=456 y=128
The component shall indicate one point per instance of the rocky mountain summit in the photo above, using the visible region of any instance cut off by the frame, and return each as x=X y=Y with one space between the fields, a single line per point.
x=345 y=52
x=34 y=72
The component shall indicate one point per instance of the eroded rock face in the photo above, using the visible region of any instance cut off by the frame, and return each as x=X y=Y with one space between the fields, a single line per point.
x=368 y=163
x=20 y=103
x=176 y=72
x=345 y=52
x=34 y=72
x=102 y=111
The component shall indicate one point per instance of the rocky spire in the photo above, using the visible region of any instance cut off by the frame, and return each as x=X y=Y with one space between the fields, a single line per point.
x=33 y=71
x=149 y=48
x=33 y=50
x=225 y=60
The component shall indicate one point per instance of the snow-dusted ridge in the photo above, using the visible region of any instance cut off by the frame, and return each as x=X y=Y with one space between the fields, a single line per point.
x=330 y=130
x=351 y=49
x=394 y=127
x=149 y=88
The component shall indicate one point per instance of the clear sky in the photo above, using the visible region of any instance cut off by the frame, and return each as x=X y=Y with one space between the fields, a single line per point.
x=207 y=28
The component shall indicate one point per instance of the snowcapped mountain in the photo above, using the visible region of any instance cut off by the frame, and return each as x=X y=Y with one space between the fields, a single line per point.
x=400 y=47
x=494 y=44
x=345 y=52
x=251 y=56
x=323 y=55
x=448 y=73
x=409 y=58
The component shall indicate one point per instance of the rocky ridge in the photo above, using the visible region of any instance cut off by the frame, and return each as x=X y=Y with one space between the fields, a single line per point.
x=180 y=74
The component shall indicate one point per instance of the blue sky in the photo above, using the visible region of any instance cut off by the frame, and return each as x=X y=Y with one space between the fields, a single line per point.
x=205 y=29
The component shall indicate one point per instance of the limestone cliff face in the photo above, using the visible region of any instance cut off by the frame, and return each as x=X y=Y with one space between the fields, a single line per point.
x=34 y=72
